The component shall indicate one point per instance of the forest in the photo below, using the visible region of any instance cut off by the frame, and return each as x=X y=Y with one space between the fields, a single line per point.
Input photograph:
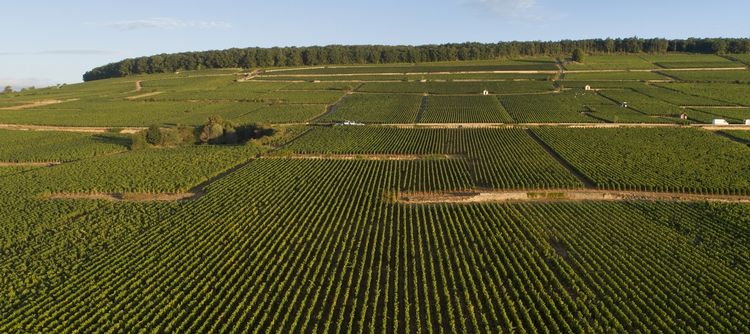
x=383 y=54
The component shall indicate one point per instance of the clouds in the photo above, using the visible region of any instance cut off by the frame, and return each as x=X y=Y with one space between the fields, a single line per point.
x=165 y=23
x=509 y=9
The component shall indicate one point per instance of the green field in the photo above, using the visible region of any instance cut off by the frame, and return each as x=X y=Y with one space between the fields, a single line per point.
x=677 y=160
x=468 y=109
x=376 y=108
x=550 y=108
x=472 y=87
x=357 y=198
x=497 y=158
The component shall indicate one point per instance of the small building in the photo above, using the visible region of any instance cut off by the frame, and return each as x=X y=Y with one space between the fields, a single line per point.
x=684 y=116
x=588 y=87
x=720 y=121
x=624 y=105
x=423 y=80
x=485 y=92
x=747 y=122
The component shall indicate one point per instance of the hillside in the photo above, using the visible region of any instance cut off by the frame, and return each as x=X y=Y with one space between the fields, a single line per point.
x=526 y=194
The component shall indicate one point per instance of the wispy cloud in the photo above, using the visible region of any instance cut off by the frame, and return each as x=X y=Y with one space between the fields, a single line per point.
x=165 y=23
x=523 y=10
x=58 y=52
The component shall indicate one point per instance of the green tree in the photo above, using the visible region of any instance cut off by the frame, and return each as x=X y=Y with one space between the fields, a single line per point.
x=8 y=90
x=579 y=55
x=153 y=135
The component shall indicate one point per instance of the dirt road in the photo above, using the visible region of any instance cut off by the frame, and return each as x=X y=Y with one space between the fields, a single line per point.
x=559 y=196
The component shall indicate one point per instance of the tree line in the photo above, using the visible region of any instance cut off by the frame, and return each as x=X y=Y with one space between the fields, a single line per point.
x=384 y=54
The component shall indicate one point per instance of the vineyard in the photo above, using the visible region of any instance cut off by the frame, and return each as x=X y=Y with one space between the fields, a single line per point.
x=551 y=108
x=383 y=198
x=376 y=108
x=467 y=109
x=56 y=147
x=343 y=260
x=677 y=160
x=497 y=158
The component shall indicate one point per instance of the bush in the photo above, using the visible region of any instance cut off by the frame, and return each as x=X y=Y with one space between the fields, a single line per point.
x=579 y=55
x=153 y=135
x=138 y=141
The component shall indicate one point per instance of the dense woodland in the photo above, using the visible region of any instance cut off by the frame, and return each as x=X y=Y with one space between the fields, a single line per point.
x=379 y=54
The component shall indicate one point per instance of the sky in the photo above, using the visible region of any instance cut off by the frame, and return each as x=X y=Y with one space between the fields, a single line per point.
x=50 y=42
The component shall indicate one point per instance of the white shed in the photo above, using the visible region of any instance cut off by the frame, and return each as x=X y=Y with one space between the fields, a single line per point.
x=747 y=122
x=588 y=87
x=720 y=121
x=485 y=92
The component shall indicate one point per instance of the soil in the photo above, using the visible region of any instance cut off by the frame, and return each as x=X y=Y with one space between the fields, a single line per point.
x=564 y=195
x=35 y=104
x=140 y=96
x=29 y=164
x=81 y=129
x=365 y=156
x=124 y=197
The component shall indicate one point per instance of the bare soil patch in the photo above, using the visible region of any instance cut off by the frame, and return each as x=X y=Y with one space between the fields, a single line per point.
x=29 y=164
x=364 y=156
x=35 y=104
x=560 y=196
x=80 y=129
x=140 y=96
x=124 y=197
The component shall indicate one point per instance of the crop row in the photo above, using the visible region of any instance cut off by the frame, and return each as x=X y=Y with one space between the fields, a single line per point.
x=496 y=158
x=665 y=159
x=310 y=246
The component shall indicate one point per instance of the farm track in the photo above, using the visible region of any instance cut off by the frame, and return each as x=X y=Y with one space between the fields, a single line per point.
x=36 y=104
x=132 y=129
x=80 y=129
x=563 y=195
x=30 y=164
x=140 y=96
x=550 y=72
x=373 y=157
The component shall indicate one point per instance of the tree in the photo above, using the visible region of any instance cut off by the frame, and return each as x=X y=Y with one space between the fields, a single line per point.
x=579 y=55
x=153 y=135
x=8 y=90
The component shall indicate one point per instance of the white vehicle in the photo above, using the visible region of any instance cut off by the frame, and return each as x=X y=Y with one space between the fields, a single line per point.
x=720 y=121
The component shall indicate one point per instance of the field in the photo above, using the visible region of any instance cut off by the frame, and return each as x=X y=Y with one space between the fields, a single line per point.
x=674 y=160
x=365 y=200
x=466 y=109
x=493 y=87
x=642 y=103
x=497 y=158
x=376 y=108
x=563 y=108
x=728 y=93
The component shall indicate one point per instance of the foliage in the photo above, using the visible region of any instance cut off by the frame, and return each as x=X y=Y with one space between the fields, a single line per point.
x=665 y=159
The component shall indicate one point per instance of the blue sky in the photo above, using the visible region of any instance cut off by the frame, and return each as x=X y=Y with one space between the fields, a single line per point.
x=47 y=42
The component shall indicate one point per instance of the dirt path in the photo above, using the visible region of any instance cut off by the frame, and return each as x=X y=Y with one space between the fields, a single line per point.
x=36 y=104
x=123 y=197
x=138 y=85
x=140 y=96
x=80 y=129
x=559 y=196
x=715 y=107
x=30 y=164
x=374 y=157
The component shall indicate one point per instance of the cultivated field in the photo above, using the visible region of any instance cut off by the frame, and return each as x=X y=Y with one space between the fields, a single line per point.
x=393 y=198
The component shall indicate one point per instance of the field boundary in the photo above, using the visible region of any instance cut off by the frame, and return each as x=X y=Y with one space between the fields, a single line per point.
x=562 y=195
